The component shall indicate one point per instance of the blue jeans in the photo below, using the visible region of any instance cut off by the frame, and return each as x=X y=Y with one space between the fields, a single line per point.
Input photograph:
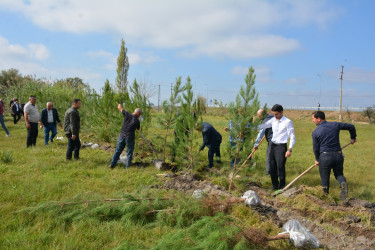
x=121 y=143
x=47 y=128
x=3 y=124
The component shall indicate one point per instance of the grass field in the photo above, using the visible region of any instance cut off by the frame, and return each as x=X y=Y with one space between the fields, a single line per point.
x=34 y=182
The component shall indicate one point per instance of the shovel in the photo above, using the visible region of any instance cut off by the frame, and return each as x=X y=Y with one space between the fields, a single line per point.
x=299 y=176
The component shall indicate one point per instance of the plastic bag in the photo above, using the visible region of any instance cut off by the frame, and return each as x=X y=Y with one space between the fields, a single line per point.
x=299 y=235
x=252 y=198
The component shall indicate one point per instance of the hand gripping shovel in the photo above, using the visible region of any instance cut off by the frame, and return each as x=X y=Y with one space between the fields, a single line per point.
x=299 y=176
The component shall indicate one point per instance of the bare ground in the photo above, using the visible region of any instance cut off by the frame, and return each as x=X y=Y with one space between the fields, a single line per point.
x=346 y=233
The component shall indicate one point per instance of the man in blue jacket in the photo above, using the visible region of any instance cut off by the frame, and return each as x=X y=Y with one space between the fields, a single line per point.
x=211 y=139
x=49 y=117
x=327 y=150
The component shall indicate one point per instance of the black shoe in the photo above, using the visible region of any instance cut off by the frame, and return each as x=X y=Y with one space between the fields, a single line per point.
x=111 y=167
x=344 y=191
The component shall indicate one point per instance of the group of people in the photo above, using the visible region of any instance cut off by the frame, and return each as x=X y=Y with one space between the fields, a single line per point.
x=276 y=128
x=48 y=119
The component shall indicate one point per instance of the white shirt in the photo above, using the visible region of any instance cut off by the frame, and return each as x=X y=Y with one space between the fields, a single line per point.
x=33 y=112
x=50 y=116
x=282 y=130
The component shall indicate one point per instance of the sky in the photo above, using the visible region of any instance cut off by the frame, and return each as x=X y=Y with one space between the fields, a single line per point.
x=296 y=47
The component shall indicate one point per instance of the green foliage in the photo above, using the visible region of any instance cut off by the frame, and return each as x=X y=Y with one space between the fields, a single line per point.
x=369 y=112
x=241 y=113
x=185 y=124
x=216 y=232
x=105 y=119
x=9 y=78
x=122 y=69
x=6 y=157
x=168 y=118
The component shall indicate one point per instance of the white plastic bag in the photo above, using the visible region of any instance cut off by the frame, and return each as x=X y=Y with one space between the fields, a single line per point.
x=252 y=198
x=299 y=235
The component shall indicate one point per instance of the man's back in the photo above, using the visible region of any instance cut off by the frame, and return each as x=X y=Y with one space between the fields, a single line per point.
x=72 y=121
x=130 y=124
x=326 y=135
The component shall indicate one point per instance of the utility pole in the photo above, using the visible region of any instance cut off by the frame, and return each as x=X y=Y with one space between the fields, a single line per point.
x=320 y=90
x=340 y=115
x=159 y=98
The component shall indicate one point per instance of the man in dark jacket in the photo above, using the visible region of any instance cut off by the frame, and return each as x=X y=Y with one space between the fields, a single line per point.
x=211 y=139
x=49 y=117
x=127 y=136
x=268 y=135
x=16 y=111
x=327 y=150
x=72 y=123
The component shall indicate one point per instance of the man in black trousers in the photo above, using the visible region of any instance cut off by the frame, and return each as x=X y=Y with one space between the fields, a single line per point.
x=72 y=123
x=327 y=150
x=16 y=111
x=31 y=120
x=283 y=131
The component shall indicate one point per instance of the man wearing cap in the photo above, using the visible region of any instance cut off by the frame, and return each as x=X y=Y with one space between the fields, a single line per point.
x=127 y=136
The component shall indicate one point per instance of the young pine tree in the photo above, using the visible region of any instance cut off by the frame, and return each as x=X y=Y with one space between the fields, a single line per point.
x=185 y=125
x=169 y=115
x=241 y=113
x=139 y=100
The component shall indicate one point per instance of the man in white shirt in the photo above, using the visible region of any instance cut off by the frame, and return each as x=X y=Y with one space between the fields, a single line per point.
x=283 y=130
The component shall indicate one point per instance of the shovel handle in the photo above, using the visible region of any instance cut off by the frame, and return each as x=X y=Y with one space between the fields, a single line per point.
x=307 y=170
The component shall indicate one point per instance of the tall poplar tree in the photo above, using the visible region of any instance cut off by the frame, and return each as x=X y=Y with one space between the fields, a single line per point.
x=122 y=69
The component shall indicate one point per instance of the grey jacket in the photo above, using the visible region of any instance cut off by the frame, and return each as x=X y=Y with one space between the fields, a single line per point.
x=72 y=121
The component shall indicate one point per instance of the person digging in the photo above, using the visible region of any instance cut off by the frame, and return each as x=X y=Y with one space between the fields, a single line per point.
x=327 y=150
x=212 y=139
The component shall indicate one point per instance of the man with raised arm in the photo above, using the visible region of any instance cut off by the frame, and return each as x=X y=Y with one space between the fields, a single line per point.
x=127 y=136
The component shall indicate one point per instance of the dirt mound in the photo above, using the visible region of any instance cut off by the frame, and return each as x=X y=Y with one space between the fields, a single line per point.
x=348 y=232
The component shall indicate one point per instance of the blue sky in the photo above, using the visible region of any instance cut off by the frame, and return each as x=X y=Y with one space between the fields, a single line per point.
x=296 y=47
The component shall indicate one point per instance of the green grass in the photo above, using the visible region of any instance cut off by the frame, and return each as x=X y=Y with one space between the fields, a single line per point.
x=34 y=181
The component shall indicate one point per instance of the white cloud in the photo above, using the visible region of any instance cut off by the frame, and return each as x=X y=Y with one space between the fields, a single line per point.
x=38 y=51
x=240 y=29
x=10 y=51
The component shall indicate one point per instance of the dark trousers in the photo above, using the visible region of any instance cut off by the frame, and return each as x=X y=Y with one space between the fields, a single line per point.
x=49 y=127
x=268 y=157
x=277 y=165
x=16 y=117
x=32 y=134
x=121 y=143
x=73 y=145
x=328 y=161
x=213 y=149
